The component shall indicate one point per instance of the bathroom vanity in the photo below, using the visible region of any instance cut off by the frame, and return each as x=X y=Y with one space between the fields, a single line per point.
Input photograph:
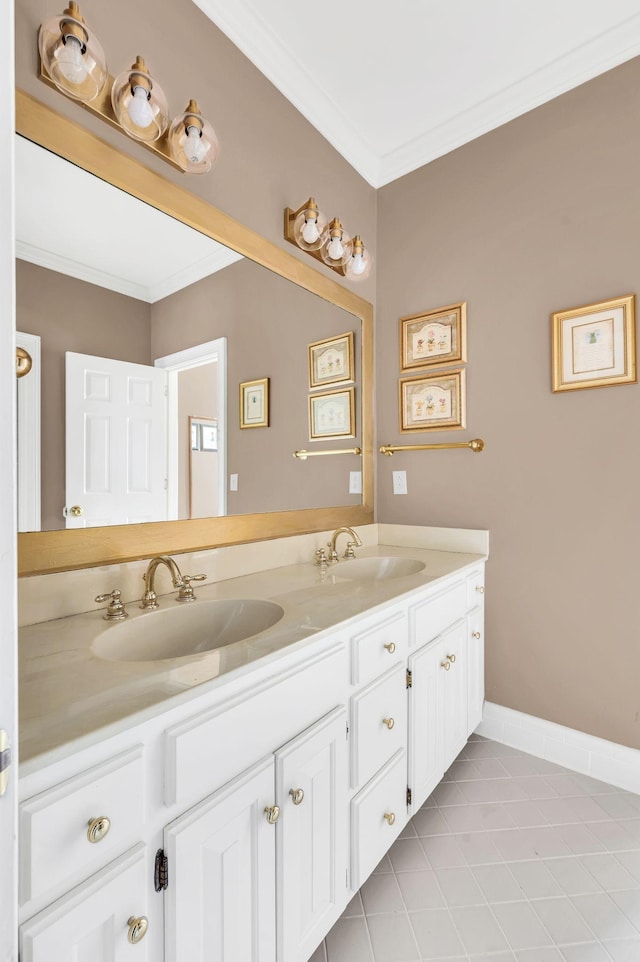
x=226 y=805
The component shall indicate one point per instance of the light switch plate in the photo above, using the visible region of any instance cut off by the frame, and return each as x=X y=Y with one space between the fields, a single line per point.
x=355 y=482
x=233 y=482
x=399 y=482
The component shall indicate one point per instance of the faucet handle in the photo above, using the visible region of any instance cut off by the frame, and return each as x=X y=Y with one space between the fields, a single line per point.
x=321 y=558
x=186 y=591
x=115 y=610
x=350 y=553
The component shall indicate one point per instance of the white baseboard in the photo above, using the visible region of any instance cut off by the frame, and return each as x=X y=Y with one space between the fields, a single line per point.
x=606 y=761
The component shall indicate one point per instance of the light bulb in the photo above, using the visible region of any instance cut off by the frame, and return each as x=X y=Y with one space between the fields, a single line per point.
x=71 y=61
x=138 y=109
x=357 y=261
x=335 y=249
x=194 y=148
x=357 y=265
x=310 y=232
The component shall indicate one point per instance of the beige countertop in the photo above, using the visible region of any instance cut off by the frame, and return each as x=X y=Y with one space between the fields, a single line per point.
x=68 y=694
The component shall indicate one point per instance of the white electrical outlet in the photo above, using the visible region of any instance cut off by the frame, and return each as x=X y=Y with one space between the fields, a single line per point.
x=355 y=482
x=233 y=482
x=399 y=482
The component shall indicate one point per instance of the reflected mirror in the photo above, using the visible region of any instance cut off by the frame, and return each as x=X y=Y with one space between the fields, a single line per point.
x=170 y=289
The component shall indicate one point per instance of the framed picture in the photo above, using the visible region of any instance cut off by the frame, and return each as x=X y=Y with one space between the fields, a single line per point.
x=194 y=428
x=432 y=402
x=254 y=403
x=594 y=345
x=209 y=434
x=331 y=361
x=331 y=415
x=434 y=338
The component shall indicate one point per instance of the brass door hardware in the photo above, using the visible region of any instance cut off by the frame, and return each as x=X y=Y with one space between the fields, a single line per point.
x=137 y=928
x=75 y=511
x=273 y=814
x=391 y=647
x=98 y=828
x=446 y=665
x=476 y=634
x=24 y=362
x=480 y=589
x=477 y=445
x=302 y=455
x=389 y=722
x=115 y=610
x=451 y=658
x=389 y=818
x=297 y=794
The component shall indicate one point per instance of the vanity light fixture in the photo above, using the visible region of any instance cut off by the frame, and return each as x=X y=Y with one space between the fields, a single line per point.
x=72 y=60
x=307 y=228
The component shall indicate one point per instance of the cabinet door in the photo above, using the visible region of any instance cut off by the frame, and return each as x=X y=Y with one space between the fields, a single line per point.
x=454 y=690
x=311 y=789
x=220 y=903
x=426 y=765
x=91 y=923
x=475 y=622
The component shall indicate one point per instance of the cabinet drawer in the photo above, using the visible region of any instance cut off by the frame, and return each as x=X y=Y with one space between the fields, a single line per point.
x=54 y=826
x=205 y=752
x=379 y=647
x=432 y=617
x=372 y=835
x=379 y=724
x=475 y=588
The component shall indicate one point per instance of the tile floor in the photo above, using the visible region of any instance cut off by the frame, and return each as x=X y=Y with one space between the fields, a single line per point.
x=512 y=859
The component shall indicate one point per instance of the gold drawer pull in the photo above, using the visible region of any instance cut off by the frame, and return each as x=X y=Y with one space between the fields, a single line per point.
x=391 y=647
x=389 y=722
x=451 y=658
x=98 y=828
x=297 y=794
x=476 y=634
x=480 y=589
x=389 y=818
x=137 y=928
x=273 y=814
x=446 y=665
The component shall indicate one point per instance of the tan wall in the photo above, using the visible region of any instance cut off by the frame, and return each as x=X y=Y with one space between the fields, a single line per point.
x=197 y=470
x=59 y=309
x=538 y=216
x=268 y=322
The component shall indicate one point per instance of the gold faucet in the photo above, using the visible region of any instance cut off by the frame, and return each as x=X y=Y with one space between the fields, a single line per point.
x=355 y=542
x=183 y=582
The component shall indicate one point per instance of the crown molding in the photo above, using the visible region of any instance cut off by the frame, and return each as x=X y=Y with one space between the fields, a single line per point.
x=255 y=38
x=222 y=257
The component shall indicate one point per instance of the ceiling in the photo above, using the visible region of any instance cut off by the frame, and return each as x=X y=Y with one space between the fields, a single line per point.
x=124 y=245
x=394 y=85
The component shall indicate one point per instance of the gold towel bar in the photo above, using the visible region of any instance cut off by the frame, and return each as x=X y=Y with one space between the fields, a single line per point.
x=477 y=444
x=303 y=455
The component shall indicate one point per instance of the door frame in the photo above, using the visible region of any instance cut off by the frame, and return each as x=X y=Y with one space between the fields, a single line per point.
x=183 y=361
x=29 y=417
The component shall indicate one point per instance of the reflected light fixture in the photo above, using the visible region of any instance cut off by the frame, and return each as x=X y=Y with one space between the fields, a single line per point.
x=307 y=228
x=72 y=60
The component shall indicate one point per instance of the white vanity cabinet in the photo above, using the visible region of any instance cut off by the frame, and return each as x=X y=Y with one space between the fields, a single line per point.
x=272 y=796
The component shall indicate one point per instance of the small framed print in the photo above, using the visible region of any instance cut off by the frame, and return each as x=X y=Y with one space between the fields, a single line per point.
x=432 y=402
x=254 y=403
x=435 y=338
x=209 y=434
x=331 y=361
x=595 y=345
x=331 y=415
x=194 y=428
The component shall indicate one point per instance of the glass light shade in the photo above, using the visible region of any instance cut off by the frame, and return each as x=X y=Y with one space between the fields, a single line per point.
x=193 y=142
x=357 y=261
x=139 y=103
x=309 y=226
x=72 y=55
x=334 y=243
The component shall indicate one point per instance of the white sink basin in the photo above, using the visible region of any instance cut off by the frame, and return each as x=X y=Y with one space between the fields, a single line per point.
x=376 y=569
x=186 y=630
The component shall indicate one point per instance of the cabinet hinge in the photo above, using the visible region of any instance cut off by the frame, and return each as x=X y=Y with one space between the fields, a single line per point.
x=408 y=795
x=409 y=679
x=161 y=871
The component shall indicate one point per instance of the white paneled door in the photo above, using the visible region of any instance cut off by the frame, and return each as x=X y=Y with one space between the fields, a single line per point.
x=116 y=442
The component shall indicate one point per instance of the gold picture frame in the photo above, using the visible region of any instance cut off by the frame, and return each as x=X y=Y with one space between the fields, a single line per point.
x=434 y=338
x=594 y=345
x=332 y=415
x=254 y=403
x=331 y=361
x=433 y=402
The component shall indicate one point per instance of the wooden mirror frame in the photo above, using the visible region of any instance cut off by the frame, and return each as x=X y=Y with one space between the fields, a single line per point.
x=42 y=552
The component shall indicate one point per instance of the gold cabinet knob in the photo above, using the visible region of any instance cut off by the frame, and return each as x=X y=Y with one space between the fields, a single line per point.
x=273 y=813
x=389 y=818
x=389 y=722
x=98 y=828
x=297 y=794
x=476 y=634
x=480 y=589
x=451 y=658
x=391 y=647
x=137 y=928
x=446 y=665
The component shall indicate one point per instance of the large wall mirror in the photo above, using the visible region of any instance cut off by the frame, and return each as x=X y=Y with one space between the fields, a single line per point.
x=146 y=309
